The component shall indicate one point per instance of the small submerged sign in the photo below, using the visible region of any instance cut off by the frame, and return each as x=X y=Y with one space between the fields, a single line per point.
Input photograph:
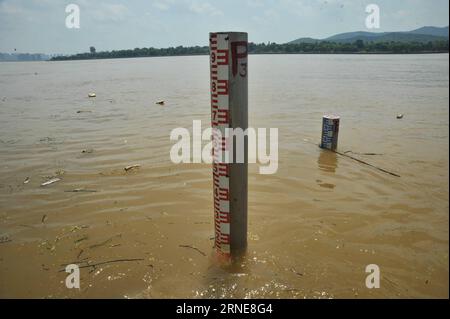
x=330 y=132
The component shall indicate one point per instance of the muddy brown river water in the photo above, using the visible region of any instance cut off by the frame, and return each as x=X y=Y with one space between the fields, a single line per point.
x=313 y=226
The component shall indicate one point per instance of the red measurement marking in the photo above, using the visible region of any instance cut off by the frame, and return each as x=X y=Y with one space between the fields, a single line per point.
x=217 y=211
x=217 y=242
x=224 y=217
x=220 y=60
x=216 y=184
x=224 y=194
x=222 y=87
x=222 y=57
x=223 y=116
x=223 y=144
x=217 y=227
x=219 y=116
x=214 y=98
x=221 y=169
x=218 y=150
x=216 y=135
x=225 y=239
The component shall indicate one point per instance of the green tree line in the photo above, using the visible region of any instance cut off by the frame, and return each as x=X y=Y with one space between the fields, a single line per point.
x=322 y=47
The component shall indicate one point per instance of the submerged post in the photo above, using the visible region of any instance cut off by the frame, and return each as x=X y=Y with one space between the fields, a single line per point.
x=229 y=110
x=330 y=132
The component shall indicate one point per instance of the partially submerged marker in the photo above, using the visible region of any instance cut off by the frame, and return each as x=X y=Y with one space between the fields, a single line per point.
x=229 y=109
x=330 y=132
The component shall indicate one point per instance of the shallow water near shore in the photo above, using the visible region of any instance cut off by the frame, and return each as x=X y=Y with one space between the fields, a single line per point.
x=314 y=226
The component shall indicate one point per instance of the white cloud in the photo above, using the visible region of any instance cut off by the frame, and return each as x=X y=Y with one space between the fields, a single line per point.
x=301 y=8
x=255 y=3
x=201 y=7
x=7 y=7
x=107 y=11
x=163 y=5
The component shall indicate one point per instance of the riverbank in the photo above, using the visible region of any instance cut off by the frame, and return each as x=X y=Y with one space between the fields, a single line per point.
x=273 y=48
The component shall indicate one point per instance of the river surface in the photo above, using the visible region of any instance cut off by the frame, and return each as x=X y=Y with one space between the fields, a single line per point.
x=314 y=226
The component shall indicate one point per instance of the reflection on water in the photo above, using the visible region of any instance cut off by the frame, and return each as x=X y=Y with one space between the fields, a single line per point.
x=327 y=161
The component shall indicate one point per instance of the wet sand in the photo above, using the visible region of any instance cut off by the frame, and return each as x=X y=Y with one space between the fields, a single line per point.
x=313 y=226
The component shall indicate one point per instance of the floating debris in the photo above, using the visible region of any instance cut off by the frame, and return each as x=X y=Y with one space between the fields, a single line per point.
x=60 y=172
x=5 y=239
x=399 y=116
x=81 y=190
x=44 y=218
x=75 y=228
x=47 y=139
x=161 y=102
x=296 y=272
x=128 y=168
x=27 y=180
x=192 y=247
x=51 y=181
x=87 y=151
x=84 y=112
x=80 y=239
x=104 y=263
x=92 y=95
x=28 y=226
x=367 y=154
x=107 y=241
x=9 y=141
x=365 y=163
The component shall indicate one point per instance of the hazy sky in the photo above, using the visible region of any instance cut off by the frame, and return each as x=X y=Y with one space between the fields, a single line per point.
x=39 y=25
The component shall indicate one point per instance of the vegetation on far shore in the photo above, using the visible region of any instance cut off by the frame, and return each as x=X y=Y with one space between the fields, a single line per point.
x=323 y=47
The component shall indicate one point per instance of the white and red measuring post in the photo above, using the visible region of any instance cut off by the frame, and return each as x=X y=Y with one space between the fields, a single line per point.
x=229 y=109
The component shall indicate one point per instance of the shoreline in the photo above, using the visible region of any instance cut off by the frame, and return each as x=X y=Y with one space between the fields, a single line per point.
x=267 y=53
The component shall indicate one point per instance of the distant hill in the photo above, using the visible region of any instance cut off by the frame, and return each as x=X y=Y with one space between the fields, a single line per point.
x=391 y=36
x=424 y=34
x=304 y=40
x=438 y=32
x=351 y=35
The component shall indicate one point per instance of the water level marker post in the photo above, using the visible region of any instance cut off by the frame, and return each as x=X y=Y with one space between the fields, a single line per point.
x=330 y=132
x=229 y=110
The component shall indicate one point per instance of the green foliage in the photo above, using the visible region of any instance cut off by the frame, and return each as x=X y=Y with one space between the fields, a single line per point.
x=273 y=48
